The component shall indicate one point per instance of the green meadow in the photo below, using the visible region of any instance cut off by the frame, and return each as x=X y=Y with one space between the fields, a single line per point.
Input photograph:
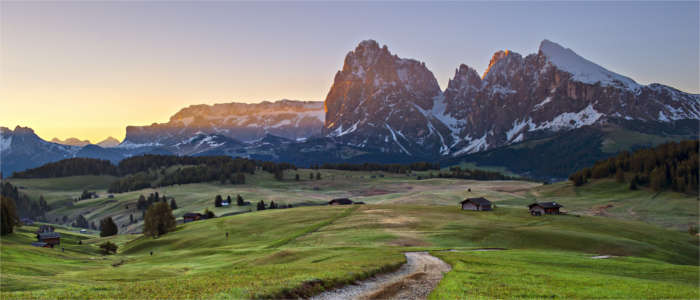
x=301 y=251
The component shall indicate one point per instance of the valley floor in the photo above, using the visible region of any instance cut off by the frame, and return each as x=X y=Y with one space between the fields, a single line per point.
x=304 y=251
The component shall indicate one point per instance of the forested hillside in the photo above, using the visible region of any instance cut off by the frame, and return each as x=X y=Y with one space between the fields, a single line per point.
x=671 y=166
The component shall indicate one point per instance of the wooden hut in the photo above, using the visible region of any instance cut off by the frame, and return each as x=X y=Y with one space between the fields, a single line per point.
x=191 y=217
x=340 y=201
x=480 y=203
x=50 y=238
x=544 y=208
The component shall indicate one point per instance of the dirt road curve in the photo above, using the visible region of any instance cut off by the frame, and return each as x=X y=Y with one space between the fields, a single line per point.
x=414 y=280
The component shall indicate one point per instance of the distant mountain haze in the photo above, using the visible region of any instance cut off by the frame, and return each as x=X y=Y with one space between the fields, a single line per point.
x=384 y=108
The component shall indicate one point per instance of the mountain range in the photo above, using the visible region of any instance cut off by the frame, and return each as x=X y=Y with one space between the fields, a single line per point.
x=384 y=108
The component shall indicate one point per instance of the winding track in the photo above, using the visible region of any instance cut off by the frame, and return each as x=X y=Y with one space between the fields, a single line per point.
x=414 y=280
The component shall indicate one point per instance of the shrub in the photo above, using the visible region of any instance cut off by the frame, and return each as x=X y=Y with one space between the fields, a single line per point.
x=108 y=247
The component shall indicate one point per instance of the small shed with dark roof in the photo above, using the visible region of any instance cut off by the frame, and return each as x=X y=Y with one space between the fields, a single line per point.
x=340 y=201
x=191 y=217
x=50 y=238
x=480 y=203
x=544 y=208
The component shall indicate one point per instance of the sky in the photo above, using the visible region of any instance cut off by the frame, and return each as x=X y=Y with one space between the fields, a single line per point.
x=89 y=69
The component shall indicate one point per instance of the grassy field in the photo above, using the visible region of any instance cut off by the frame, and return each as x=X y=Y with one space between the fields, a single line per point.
x=555 y=274
x=605 y=197
x=370 y=187
x=301 y=251
x=304 y=250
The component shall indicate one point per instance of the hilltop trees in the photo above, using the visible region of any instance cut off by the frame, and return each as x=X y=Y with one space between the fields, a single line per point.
x=108 y=227
x=25 y=207
x=81 y=222
x=158 y=220
x=672 y=166
x=8 y=215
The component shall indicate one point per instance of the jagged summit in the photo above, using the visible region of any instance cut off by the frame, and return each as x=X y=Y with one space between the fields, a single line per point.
x=582 y=69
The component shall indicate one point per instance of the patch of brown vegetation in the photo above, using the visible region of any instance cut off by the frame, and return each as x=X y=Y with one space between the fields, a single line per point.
x=601 y=210
x=408 y=242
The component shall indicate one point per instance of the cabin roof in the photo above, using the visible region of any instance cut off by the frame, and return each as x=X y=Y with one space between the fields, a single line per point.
x=480 y=201
x=341 y=201
x=546 y=205
x=49 y=235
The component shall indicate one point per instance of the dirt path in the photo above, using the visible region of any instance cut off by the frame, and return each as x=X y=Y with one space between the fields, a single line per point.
x=414 y=280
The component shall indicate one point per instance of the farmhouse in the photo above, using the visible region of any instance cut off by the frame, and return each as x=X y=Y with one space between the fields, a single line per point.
x=544 y=208
x=191 y=217
x=476 y=204
x=340 y=201
x=50 y=238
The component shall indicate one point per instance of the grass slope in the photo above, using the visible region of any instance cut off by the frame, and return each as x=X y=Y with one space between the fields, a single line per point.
x=301 y=251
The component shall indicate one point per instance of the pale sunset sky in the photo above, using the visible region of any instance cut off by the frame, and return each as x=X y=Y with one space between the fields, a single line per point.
x=89 y=69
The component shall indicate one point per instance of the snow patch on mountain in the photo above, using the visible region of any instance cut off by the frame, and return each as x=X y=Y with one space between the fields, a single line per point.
x=587 y=116
x=539 y=106
x=474 y=145
x=583 y=70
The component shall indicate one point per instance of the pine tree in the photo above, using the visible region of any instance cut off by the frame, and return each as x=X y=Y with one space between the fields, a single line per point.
x=217 y=201
x=108 y=227
x=8 y=215
x=239 y=200
x=261 y=205
x=318 y=175
x=228 y=199
x=311 y=176
x=620 y=176
x=173 y=205
x=158 y=220
x=296 y=177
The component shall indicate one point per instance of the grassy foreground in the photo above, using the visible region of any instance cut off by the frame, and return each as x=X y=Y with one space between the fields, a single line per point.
x=553 y=274
x=302 y=251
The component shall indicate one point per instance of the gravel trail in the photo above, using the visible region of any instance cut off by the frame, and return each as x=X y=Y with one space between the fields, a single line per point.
x=414 y=280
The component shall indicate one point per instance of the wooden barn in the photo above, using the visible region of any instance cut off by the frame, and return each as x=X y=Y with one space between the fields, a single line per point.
x=480 y=203
x=340 y=201
x=191 y=217
x=544 y=208
x=50 y=238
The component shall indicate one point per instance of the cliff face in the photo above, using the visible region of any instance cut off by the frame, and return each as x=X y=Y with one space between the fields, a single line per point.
x=381 y=101
x=240 y=121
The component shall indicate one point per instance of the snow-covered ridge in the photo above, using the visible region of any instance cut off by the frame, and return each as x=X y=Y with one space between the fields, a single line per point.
x=583 y=70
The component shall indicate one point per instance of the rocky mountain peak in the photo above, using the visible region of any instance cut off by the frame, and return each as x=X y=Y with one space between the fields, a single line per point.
x=581 y=69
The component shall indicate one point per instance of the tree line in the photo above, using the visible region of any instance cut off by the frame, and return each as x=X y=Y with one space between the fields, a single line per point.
x=671 y=166
x=391 y=168
x=459 y=173
x=26 y=207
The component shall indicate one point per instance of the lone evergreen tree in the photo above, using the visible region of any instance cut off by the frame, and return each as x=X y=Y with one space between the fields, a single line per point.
x=318 y=175
x=108 y=227
x=261 y=205
x=8 y=215
x=173 y=205
x=296 y=177
x=158 y=220
x=239 y=200
x=217 y=201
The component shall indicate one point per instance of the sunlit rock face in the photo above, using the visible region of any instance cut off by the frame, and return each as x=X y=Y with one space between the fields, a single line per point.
x=381 y=101
x=240 y=121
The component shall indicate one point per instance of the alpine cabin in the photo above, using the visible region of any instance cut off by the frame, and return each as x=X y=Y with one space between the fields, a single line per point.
x=340 y=201
x=544 y=208
x=476 y=204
